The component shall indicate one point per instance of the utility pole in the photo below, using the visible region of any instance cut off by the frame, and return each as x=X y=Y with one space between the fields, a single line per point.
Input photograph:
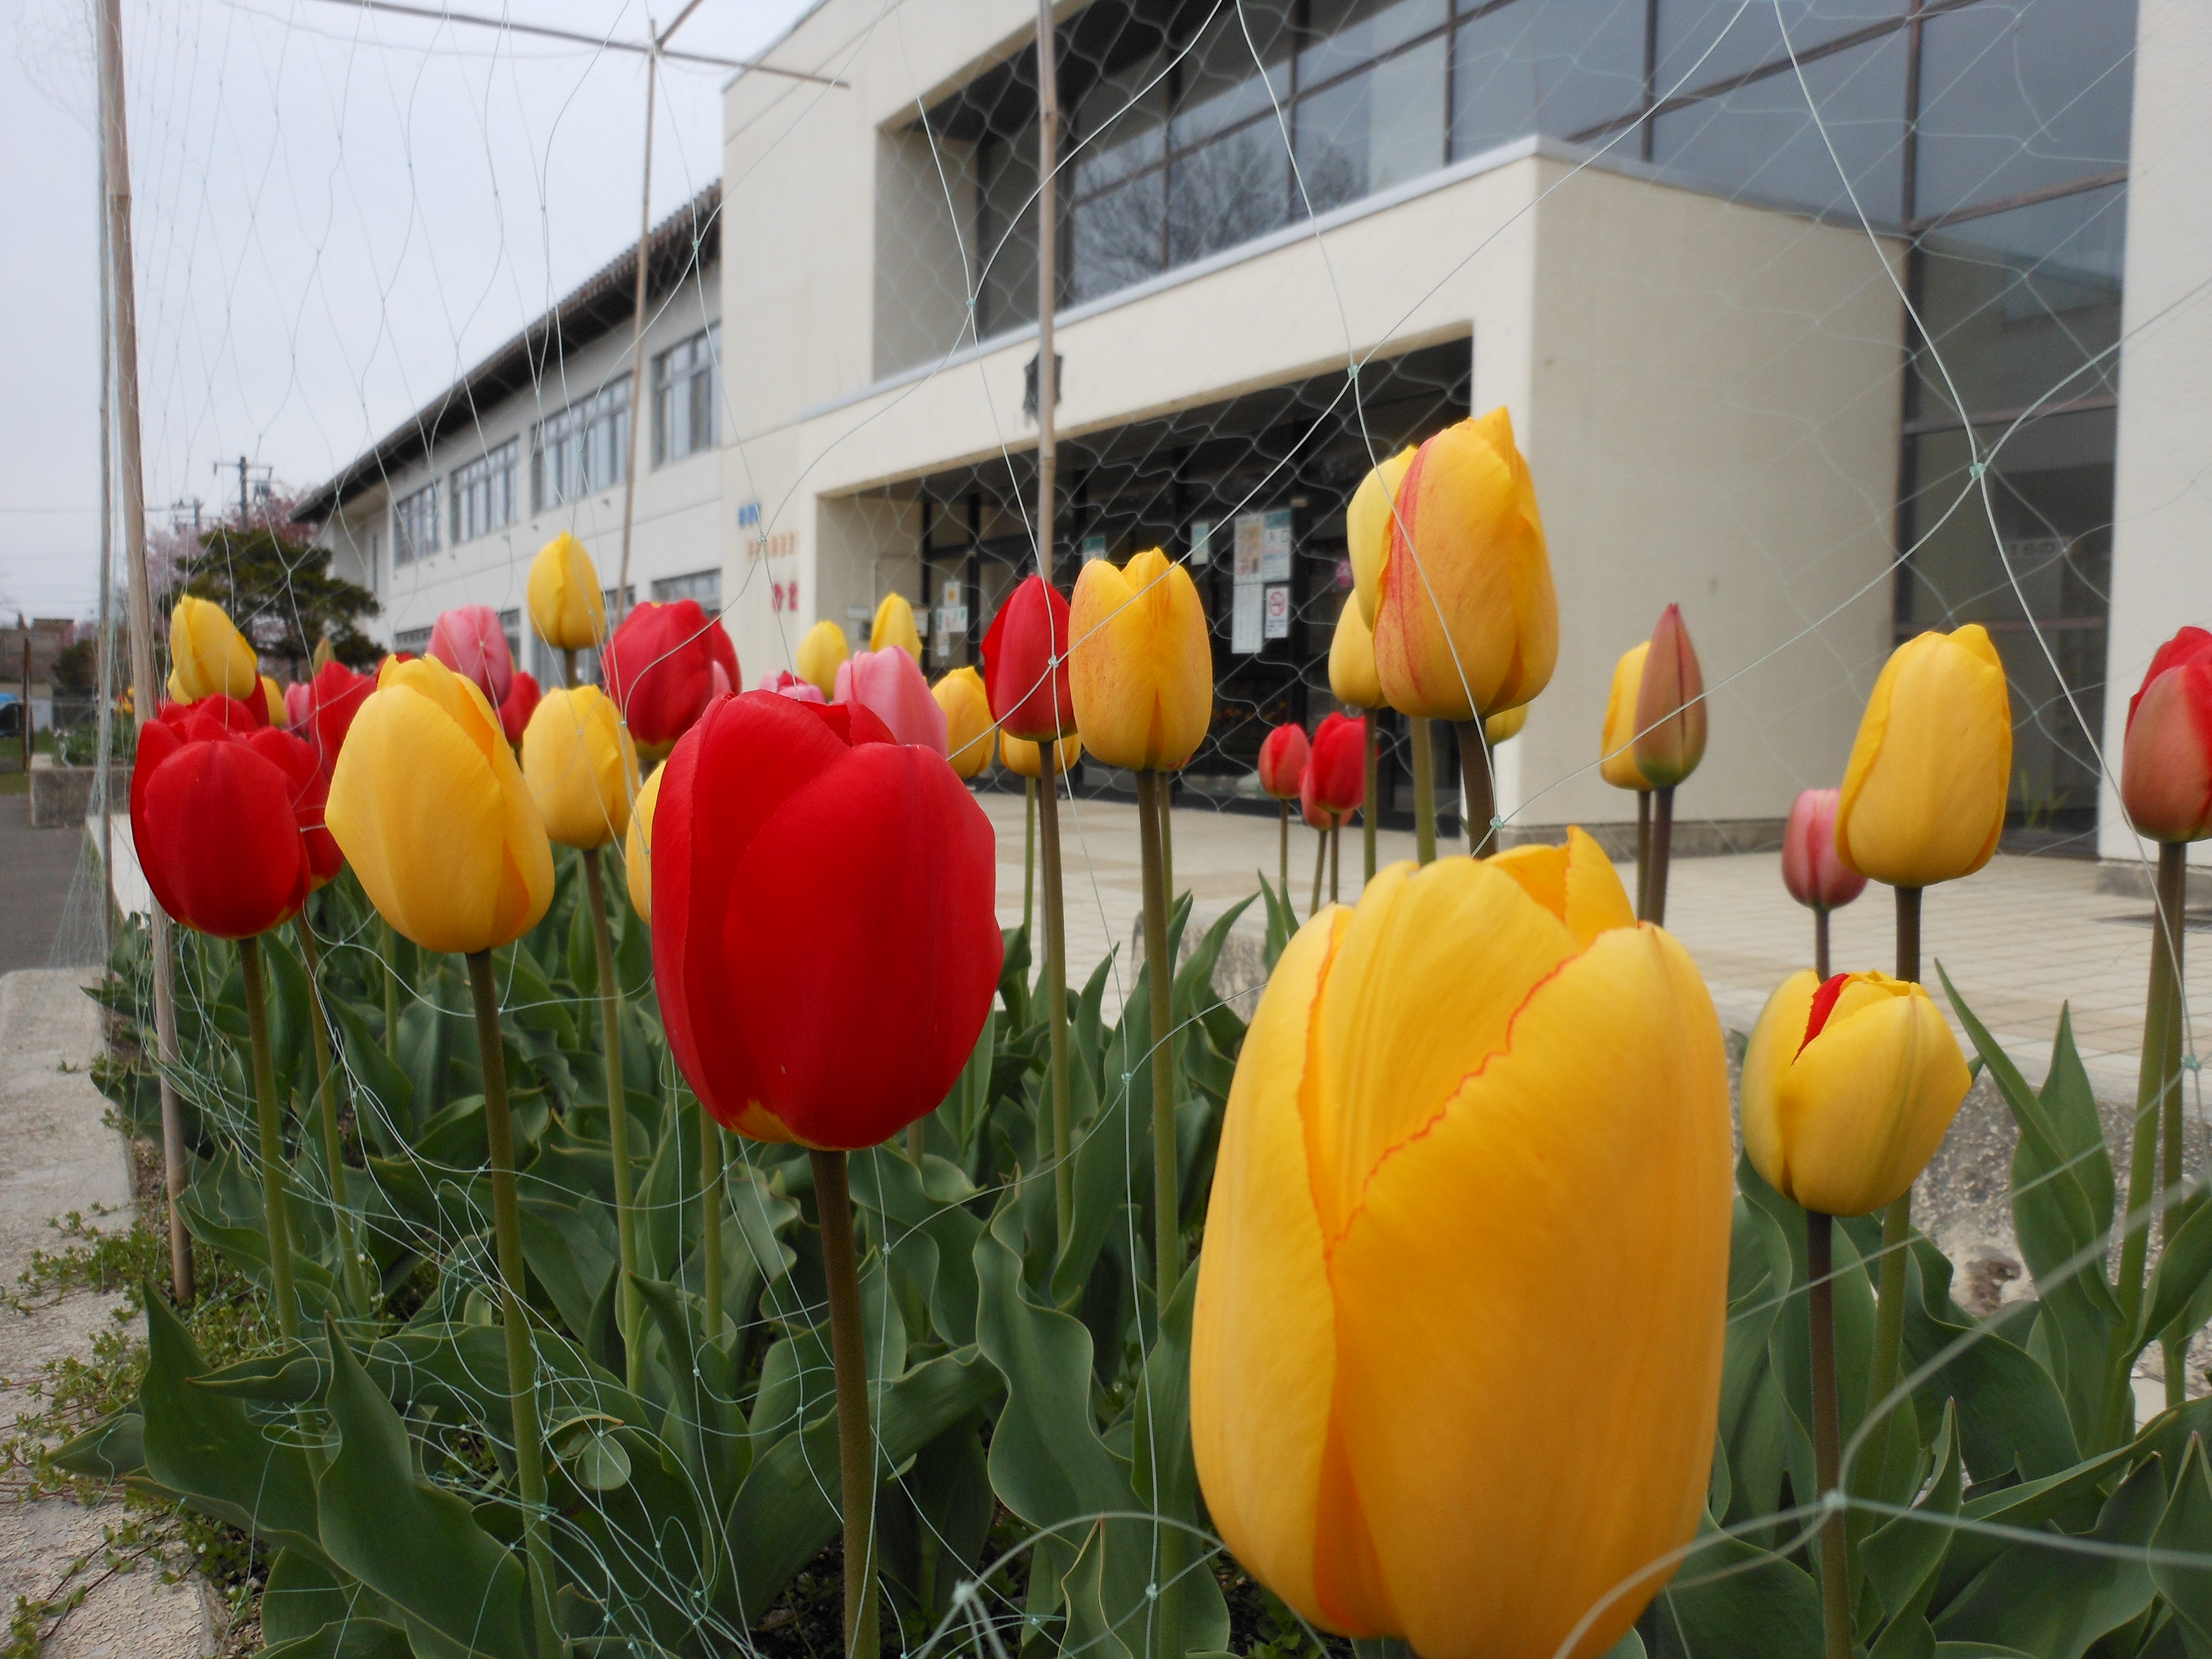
x=252 y=473
x=145 y=695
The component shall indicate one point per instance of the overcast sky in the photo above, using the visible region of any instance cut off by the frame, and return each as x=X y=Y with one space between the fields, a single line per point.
x=336 y=212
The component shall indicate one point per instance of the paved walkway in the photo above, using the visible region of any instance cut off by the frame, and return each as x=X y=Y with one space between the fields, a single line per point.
x=37 y=867
x=56 y=1155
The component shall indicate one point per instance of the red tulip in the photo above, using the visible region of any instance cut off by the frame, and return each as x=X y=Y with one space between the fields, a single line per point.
x=1025 y=664
x=1670 y=705
x=1282 y=760
x=2165 y=763
x=1317 y=816
x=787 y=838
x=233 y=713
x=470 y=639
x=334 y=697
x=227 y=826
x=1339 y=764
x=1810 y=869
x=522 y=700
x=889 y=684
x=785 y=683
x=660 y=668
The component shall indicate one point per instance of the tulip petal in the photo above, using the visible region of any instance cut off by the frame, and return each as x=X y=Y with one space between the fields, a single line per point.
x=1775 y=1041
x=1616 y=745
x=1576 y=883
x=1503 y=1439
x=1847 y=1155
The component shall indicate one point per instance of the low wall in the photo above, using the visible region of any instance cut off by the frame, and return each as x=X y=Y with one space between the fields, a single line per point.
x=60 y=795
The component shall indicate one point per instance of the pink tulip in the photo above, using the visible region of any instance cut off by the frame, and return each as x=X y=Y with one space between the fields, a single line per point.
x=785 y=683
x=469 y=639
x=1810 y=869
x=298 y=705
x=889 y=684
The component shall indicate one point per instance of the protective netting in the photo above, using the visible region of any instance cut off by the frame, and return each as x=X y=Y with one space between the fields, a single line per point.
x=1810 y=313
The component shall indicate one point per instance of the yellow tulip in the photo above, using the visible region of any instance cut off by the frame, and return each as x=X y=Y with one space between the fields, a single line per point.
x=1617 y=747
x=1367 y=526
x=1141 y=665
x=433 y=814
x=208 y=656
x=968 y=725
x=1844 y=1119
x=1925 y=794
x=581 y=766
x=566 y=604
x=1352 y=659
x=272 y=698
x=1466 y=621
x=637 y=850
x=1019 y=755
x=818 y=655
x=894 y=625
x=1472 y=1459
x=1498 y=728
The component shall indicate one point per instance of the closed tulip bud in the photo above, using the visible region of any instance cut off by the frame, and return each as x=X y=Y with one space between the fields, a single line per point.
x=435 y=817
x=785 y=683
x=2165 y=765
x=581 y=769
x=818 y=655
x=1434 y=1076
x=221 y=820
x=637 y=847
x=1022 y=758
x=566 y=605
x=1142 y=668
x=1283 y=755
x=208 y=657
x=1317 y=817
x=1617 y=747
x=272 y=702
x=1368 y=522
x=1670 y=705
x=890 y=685
x=1466 y=622
x=1339 y=762
x=780 y=821
x=299 y=705
x=333 y=697
x=1352 y=676
x=1924 y=797
x=893 y=626
x=967 y=707
x=471 y=639
x=521 y=702
x=660 y=668
x=1025 y=663
x=1816 y=877
x=1500 y=726
x=1848 y=1089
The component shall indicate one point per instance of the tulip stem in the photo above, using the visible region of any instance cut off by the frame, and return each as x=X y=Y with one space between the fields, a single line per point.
x=713 y=1185
x=271 y=1124
x=1908 y=933
x=1284 y=861
x=390 y=964
x=521 y=1357
x=1821 y=942
x=1424 y=789
x=1896 y=1234
x=1028 y=857
x=326 y=1088
x=1164 y=798
x=1335 y=857
x=1367 y=761
x=627 y=1297
x=1663 y=848
x=1055 y=987
x=1321 y=862
x=1643 y=855
x=568 y=668
x=1482 y=788
x=856 y=1451
x=1167 y=1220
x=1835 y=1577
x=2166 y=945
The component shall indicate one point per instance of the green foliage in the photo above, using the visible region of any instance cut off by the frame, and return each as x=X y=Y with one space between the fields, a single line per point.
x=282 y=595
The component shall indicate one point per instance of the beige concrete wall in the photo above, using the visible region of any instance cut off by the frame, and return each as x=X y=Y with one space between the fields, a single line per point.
x=2162 y=507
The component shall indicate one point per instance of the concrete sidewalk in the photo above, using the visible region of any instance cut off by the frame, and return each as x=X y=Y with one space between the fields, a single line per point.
x=56 y=1155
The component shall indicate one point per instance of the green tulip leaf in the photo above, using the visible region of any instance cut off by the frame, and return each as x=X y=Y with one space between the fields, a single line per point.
x=2182 y=1566
x=113 y=1449
x=304 y=1594
x=1731 y=1597
x=1088 y=1632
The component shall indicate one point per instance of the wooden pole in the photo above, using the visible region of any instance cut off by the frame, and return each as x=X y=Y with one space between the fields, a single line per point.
x=637 y=412
x=104 y=680
x=1048 y=279
x=145 y=690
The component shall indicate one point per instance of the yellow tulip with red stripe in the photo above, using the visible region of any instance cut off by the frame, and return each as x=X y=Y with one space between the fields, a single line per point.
x=1368 y=519
x=1457 y=1352
x=1848 y=1090
x=433 y=814
x=1141 y=666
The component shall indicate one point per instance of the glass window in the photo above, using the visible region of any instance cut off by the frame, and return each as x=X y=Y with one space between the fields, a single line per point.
x=1558 y=67
x=1703 y=41
x=1121 y=125
x=1379 y=126
x=2024 y=305
x=483 y=492
x=2017 y=96
x=1006 y=220
x=1343 y=35
x=1120 y=237
x=1231 y=191
x=1766 y=140
x=1222 y=79
x=415 y=527
x=414 y=640
x=704 y=586
x=583 y=448
x=687 y=386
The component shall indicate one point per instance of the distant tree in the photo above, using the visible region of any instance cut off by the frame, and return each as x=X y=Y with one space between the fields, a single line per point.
x=75 y=665
x=279 y=590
